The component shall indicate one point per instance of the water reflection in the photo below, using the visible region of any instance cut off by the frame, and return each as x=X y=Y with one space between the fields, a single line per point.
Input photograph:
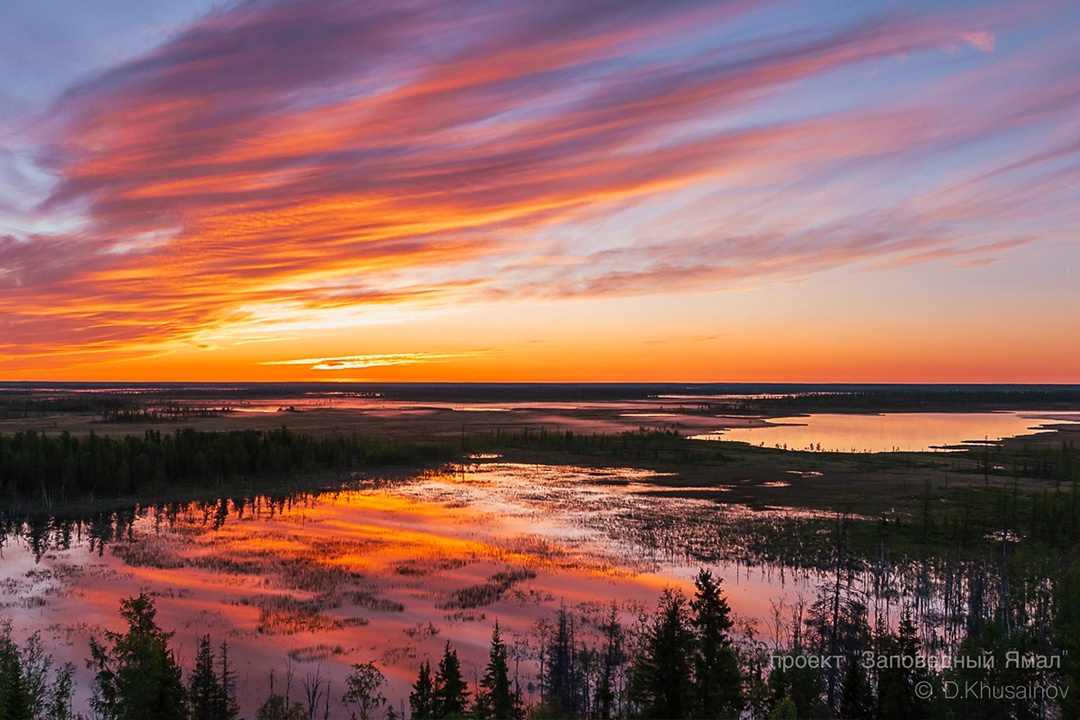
x=892 y=432
x=389 y=571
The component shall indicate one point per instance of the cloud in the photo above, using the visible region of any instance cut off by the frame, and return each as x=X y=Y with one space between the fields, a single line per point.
x=353 y=362
x=280 y=162
x=981 y=41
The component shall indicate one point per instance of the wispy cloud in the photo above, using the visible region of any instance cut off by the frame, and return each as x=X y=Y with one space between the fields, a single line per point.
x=353 y=362
x=983 y=41
x=277 y=159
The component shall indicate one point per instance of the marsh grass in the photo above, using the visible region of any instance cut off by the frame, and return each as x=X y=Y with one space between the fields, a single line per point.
x=288 y=615
x=485 y=593
x=315 y=653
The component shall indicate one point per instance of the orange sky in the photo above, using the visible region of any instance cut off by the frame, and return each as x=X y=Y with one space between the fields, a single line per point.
x=541 y=192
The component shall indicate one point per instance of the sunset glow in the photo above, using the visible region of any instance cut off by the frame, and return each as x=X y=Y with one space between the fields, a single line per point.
x=520 y=191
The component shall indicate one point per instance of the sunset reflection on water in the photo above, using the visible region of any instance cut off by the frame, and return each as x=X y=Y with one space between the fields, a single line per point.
x=900 y=432
x=382 y=572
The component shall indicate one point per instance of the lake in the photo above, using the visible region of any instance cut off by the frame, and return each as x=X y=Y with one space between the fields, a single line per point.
x=891 y=432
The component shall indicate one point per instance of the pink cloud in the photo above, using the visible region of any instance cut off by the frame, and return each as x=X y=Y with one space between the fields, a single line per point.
x=982 y=41
x=332 y=154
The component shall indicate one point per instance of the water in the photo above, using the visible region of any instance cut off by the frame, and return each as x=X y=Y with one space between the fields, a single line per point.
x=383 y=572
x=891 y=432
x=388 y=571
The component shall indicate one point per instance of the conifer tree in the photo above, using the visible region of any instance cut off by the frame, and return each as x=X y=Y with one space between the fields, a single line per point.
x=896 y=685
x=716 y=667
x=15 y=700
x=494 y=699
x=856 y=695
x=203 y=686
x=613 y=658
x=422 y=697
x=227 y=708
x=210 y=695
x=137 y=677
x=561 y=678
x=661 y=675
x=450 y=698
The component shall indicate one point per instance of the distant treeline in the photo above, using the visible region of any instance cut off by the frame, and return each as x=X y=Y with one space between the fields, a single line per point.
x=47 y=470
x=900 y=399
x=169 y=411
x=50 y=470
x=26 y=405
x=110 y=408
x=89 y=397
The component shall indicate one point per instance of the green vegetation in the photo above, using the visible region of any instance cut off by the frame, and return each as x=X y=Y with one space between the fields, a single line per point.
x=211 y=689
x=495 y=700
x=137 y=675
x=41 y=471
x=363 y=692
x=31 y=688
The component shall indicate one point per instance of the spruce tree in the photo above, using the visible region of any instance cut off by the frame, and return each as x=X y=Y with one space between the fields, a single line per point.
x=896 y=685
x=561 y=678
x=227 y=708
x=451 y=695
x=661 y=675
x=716 y=667
x=612 y=660
x=422 y=697
x=856 y=695
x=494 y=699
x=203 y=686
x=15 y=700
x=137 y=677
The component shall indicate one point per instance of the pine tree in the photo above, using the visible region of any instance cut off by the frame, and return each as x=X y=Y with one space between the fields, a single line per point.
x=450 y=698
x=561 y=678
x=661 y=675
x=896 y=694
x=227 y=708
x=856 y=695
x=137 y=678
x=421 y=699
x=494 y=699
x=614 y=657
x=203 y=687
x=716 y=676
x=15 y=700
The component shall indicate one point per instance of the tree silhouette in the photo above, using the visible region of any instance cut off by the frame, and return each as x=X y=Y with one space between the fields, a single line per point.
x=364 y=685
x=716 y=667
x=494 y=699
x=422 y=697
x=137 y=677
x=660 y=680
x=450 y=698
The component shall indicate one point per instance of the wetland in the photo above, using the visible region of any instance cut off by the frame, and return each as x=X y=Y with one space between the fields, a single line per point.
x=317 y=531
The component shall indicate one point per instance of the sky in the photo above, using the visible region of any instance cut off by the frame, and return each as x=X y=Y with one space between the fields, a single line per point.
x=504 y=190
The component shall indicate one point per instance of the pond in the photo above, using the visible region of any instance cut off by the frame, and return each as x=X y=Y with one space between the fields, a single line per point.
x=891 y=432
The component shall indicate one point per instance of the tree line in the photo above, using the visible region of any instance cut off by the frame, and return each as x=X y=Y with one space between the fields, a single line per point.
x=40 y=470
